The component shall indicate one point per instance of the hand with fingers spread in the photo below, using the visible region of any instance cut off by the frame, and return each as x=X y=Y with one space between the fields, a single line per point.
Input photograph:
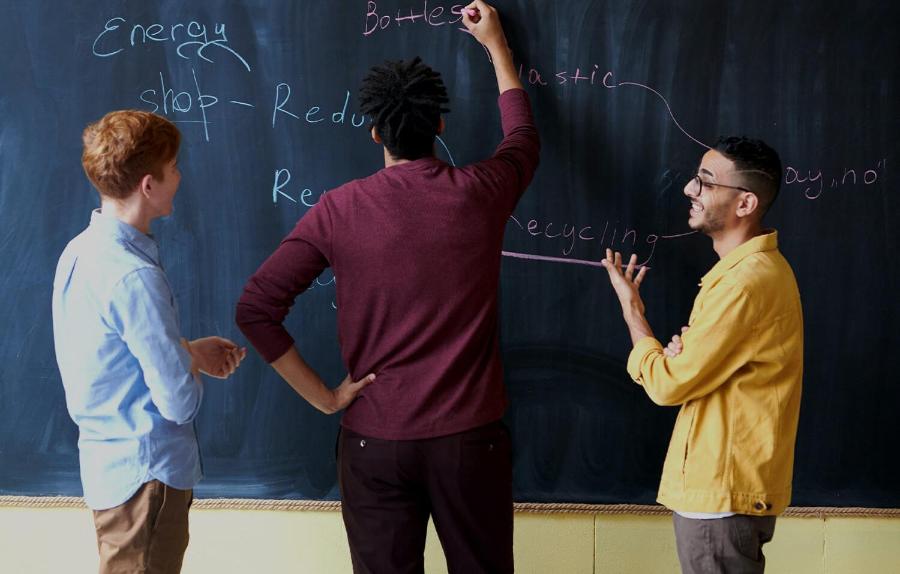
x=675 y=346
x=626 y=284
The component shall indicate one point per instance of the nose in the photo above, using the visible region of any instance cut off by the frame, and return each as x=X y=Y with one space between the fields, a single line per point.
x=692 y=187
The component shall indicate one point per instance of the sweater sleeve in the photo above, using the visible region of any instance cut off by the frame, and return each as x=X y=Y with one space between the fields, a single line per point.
x=510 y=169
x=270 y=292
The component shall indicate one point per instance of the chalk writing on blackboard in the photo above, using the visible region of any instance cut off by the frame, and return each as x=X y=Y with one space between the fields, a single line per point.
x=188 y=38
x=814 y=181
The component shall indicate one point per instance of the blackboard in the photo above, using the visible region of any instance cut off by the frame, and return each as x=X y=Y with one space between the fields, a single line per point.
x=625 y=95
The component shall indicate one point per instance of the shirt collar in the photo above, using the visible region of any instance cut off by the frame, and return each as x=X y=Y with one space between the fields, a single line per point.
x=115 y=228
x=768 y=241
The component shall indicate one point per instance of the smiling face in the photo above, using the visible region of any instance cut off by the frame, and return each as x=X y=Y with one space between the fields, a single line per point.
x=713 y=208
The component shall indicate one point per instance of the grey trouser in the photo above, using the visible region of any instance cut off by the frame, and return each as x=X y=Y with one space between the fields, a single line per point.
x=731 y=545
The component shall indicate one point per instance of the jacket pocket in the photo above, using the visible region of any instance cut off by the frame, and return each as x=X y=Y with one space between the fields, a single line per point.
x=691 y=414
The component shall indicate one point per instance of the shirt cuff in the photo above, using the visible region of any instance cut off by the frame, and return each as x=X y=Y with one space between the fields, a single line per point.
x=641 y=349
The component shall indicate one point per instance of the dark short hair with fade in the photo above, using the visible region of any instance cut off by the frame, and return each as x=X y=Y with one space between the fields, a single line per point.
x=758 y=164
x=405 y=100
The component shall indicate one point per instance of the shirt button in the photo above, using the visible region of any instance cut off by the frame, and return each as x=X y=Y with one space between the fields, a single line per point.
x=491 y=446
x=362 y=443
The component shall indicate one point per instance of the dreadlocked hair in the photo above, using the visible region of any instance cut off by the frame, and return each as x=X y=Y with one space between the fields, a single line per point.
x=405 y=100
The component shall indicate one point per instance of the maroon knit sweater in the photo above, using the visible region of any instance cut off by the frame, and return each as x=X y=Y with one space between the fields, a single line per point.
x=415 y=250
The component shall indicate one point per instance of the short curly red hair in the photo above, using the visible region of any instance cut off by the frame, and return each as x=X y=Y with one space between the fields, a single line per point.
x=124 y=146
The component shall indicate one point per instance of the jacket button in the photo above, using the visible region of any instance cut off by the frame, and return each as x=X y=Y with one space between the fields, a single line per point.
x=759 y=506
x=362 y=443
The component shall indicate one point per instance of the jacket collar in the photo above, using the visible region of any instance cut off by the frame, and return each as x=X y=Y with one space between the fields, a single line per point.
x=768 y=241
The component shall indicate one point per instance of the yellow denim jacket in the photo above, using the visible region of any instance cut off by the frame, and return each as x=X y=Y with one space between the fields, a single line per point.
x=738 y=382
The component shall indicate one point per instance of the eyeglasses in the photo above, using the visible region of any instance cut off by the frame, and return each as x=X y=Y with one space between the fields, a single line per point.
x=699 y=185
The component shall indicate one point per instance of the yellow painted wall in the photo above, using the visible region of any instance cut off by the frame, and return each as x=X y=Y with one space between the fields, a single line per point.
x=61 y=541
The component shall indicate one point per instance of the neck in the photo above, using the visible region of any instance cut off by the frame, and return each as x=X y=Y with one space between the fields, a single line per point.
x=727 y=240
x=127 y=211
x=390 y=161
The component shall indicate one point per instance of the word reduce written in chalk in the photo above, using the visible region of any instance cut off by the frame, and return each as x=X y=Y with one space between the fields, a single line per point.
x=191 y=105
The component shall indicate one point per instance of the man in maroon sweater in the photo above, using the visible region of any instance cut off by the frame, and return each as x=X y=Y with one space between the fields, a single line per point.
x=415 y=249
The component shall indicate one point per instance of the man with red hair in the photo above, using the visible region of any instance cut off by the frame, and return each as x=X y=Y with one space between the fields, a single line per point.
x=131 y=381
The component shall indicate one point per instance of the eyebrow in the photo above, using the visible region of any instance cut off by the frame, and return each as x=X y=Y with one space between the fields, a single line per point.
x=705 y=171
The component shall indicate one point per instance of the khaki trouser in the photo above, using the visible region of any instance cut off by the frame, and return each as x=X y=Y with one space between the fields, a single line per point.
x=147 y=534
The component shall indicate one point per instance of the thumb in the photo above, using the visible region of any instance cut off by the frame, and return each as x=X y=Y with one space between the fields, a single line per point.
x=365 y=380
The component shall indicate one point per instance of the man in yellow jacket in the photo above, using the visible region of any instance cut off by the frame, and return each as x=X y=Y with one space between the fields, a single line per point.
x=736 y=369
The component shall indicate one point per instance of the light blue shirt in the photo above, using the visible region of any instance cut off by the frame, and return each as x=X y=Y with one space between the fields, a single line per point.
x=127 y=378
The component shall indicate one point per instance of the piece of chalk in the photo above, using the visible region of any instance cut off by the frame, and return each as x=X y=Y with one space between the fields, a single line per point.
x=472 y=12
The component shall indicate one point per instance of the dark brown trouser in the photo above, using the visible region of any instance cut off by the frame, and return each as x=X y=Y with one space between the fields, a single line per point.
x=464 y=481
x=731 y=545
x=146 y=534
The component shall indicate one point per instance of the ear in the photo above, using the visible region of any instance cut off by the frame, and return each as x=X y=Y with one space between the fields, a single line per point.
x=375 y=137
x=145 y=187
x=441 y=126
x=747 y=205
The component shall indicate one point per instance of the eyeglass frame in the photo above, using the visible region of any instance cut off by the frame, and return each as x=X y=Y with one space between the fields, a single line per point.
x=701 y=183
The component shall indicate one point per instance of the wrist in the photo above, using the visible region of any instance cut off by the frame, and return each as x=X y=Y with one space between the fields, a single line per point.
x=195 y=367
x=498 y=47
x=329 y=403
x=633 y=312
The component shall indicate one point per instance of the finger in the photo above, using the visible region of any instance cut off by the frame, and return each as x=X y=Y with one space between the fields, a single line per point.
x=684 y=329
x=617 y=260
x=471 y=14
x=640 y=276
x=607 y=262
x=223 y=370
x=629 y=271
x=223 y=342
x=364 y=382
